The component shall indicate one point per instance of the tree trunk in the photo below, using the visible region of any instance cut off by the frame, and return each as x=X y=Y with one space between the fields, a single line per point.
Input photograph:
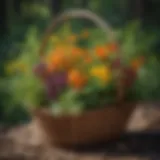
x=84 y=3
x=3 y=17
x=56 y=6
x=136 y=9
x=17 y=6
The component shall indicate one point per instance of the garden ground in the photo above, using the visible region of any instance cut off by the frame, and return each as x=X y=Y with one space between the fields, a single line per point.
x=25 y=142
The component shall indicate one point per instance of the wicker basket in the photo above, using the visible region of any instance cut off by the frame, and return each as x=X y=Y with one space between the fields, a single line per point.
x=93 y=126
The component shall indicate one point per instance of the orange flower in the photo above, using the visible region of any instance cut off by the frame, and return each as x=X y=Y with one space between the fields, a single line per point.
x=60 y=49
x=77 y=53
x=56 y=61
x=137 y=63
x=101 y=52
x=72 y=38
x=88 y=59
x=76 y=79
x=51 y=67
x=112 y=47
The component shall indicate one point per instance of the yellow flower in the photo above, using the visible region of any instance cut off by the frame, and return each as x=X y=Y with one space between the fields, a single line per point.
x=15 y=66
x=55 y=39
x=9 y=68
x=23 y=67
x=101 y=72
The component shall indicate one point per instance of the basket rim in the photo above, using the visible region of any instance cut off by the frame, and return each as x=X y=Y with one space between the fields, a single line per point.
x=47 y=111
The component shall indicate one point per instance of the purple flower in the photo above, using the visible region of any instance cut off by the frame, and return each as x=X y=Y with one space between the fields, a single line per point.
x=55 y=84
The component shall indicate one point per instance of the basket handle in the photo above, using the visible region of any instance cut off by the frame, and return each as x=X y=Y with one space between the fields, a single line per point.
x=83 y=14
x=72 y=14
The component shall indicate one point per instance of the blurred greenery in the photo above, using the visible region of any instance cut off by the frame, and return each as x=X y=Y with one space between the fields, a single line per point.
x=25 y=22
x=148 y=84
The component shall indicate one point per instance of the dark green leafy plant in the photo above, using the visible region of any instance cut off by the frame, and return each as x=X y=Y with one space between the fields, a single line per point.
x=147 y=86
x=28 y=90
x=24 y=87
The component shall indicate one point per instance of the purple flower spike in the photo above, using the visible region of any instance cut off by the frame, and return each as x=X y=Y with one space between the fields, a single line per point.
x=55 y=84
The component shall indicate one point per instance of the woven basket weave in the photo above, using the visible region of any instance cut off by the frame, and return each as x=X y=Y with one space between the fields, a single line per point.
x=89 y=127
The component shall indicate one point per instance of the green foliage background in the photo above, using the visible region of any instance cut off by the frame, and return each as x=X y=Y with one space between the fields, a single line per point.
x=25 y=35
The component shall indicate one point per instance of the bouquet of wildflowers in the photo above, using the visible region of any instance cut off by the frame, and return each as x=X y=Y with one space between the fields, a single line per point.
x=76 y=78
x=73 y=77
